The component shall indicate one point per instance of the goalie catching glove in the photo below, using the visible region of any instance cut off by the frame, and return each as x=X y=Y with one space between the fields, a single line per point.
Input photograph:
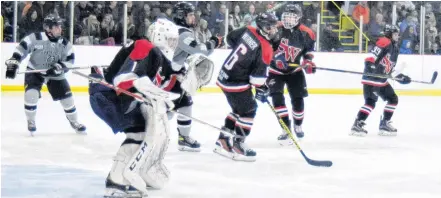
x=199 y=72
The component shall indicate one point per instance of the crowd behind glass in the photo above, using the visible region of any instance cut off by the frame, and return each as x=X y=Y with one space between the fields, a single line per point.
x=102 y=22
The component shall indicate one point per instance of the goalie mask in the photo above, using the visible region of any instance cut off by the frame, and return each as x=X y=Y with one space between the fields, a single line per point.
x=164 y=34
x=291 y=16
x=199 y=72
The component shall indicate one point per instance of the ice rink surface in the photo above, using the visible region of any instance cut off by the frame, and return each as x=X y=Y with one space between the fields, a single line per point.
x=59 y=163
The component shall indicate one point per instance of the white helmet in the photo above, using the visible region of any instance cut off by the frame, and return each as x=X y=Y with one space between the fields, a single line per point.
x=164 y=34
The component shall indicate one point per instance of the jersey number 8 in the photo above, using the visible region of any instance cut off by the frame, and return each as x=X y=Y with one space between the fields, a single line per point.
x=241 y=50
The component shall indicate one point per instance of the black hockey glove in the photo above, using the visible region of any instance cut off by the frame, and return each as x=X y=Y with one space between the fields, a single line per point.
x=403 y=79
x=262 y=93
x=56 y=70
x=11 y=68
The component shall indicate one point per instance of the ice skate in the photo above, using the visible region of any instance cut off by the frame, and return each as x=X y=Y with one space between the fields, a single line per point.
x=114 y=190
x=186 y=143
x=284 y=139
x=31 y=127
x=79 y=128
x=241 y=152
x=224 y=146
x=386 y=128
x=358 y=129
x=299 y=131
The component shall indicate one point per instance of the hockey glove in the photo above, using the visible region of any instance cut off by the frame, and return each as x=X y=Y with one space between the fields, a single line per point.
x=11 y=68
x=309 y=66
x=262 y=93
x=56 y=70
x=403 y=79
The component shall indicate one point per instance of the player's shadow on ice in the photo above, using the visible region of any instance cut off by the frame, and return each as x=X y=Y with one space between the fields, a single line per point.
x=39 y=181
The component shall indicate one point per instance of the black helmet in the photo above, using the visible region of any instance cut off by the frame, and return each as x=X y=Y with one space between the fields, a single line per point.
x=52 y=20
x=265 y=22
x=291 y=16
x=389 y=30
x=180 y=12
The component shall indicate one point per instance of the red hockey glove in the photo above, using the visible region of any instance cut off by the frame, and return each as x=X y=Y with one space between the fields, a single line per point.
x=309 y=66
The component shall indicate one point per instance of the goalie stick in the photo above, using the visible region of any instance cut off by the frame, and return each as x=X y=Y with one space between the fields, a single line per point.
x=324 y=163
x=65 y=69
x=138 y=97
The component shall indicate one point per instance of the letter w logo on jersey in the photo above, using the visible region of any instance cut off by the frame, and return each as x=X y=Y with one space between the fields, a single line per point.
x=291 y=52
x=387 y=63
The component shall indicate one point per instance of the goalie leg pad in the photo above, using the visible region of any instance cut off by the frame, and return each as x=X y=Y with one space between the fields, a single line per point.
x=154 y=173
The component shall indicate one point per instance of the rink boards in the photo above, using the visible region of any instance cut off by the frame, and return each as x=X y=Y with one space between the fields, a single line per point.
x=418 y=67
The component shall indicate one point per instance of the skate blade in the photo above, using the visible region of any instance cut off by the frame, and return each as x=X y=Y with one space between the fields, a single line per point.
x=223 y=152
x=81 y=132
x=387 y=133
x=188 y=149
x=32 y=133
x=287 y=142
x=116 y=193
x=357 y=134
x=243 y=158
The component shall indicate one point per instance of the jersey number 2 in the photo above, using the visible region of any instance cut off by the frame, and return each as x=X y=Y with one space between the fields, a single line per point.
x=241 y=50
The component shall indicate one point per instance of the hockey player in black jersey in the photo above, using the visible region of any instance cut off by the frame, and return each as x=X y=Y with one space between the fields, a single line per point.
x=245 y=67
x=147 y=71
x=294 y=42
x=382 y=61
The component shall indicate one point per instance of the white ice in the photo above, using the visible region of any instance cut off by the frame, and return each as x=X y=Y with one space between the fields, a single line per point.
x=59 y=163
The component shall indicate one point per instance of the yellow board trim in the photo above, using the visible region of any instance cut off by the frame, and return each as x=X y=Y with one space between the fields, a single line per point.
x=421 y=92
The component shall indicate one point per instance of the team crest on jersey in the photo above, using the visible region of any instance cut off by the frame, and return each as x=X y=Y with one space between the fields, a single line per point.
x=387 y=63
x=290 y=52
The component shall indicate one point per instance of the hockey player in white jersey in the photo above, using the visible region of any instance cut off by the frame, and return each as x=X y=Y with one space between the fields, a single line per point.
x=184 y=16
x=47 y=50
x=146 y=71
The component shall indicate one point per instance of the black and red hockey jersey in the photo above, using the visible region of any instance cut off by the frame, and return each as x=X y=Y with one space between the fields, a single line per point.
x=247 y=63
x=292 y=45
x=146 y=60
x=382 y=61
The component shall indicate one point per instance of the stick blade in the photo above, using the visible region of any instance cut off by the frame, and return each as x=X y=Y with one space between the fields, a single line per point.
x=319 y=163
x=435 y=75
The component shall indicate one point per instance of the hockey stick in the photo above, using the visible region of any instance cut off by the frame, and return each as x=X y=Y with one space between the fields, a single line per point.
x=312 y=162
x=65 y=69
x=434 y=75
x=138 y=97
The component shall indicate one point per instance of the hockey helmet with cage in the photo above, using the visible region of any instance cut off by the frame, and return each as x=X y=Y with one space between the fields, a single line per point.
x=266 y=22
x=180 y=12
x=389 y=30
x=164 y=34
x=291 y=16
x=49 y=22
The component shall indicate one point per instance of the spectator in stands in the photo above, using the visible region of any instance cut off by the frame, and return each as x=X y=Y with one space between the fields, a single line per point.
x=361 y=9
x=411 y=36
x=431 y=33
x=119 y=30
x=438 y=38
x=98 y=10
x=251 y=12
x=330 y=41
x=219 y=28
x=310 y=13
x=409 y=21
x=30 y=24
x=107 y=30
x=82 y=11
x=112 y=8
x=435 y=49
x=375 y=27
x=378 y=8
x=406 y=47
x=168 y=12
x=236 y=18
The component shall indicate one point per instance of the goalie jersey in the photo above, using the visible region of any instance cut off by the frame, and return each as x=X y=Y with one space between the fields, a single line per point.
x=146 y=60
x=247 y=64
x=382 y=61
